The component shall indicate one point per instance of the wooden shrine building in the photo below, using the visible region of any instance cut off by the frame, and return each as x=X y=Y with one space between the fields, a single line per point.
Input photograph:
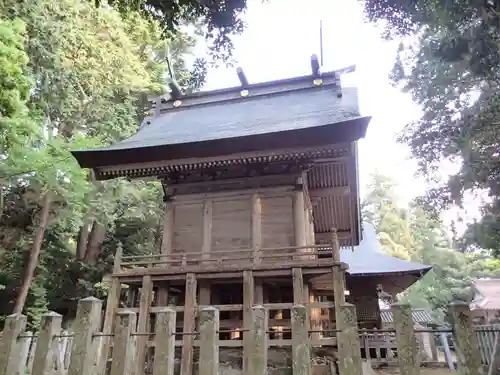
x=255 y=179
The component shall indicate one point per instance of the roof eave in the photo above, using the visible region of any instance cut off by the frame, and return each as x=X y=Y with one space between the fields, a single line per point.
x=415 y=272
x=347 y=131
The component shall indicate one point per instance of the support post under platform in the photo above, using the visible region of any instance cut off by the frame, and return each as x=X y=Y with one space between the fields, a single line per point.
x=338 y=279
x=109 y=315
x=248 y=301
x=189 y=325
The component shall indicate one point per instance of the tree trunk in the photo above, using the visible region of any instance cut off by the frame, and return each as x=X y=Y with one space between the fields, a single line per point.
x=34 y=255
x=83 y=240
x=96 y=238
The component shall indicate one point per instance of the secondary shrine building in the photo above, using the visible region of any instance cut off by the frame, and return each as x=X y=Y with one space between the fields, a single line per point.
x=260 y=192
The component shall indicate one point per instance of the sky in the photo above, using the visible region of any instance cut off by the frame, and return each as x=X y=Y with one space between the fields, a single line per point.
x=281 y=36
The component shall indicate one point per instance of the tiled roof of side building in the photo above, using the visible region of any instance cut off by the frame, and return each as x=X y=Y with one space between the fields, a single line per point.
x=420 y=316
x=369 y=259
x=489 y=290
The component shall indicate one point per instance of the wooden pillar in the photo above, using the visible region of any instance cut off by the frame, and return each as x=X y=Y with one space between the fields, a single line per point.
x=209 y=341
x=122 y=364
x=308 y=207
x=45 y=349
x=206 y=247
x=432 y=342
x=164 y=361
x=301 y=348
x=350 y=362
x=257 y=364
x=305 y=299
x=276 y=296
x=112 y=302
x=162 y=294
x=408 y=354
x=9 y=346
x=256 y=227
x=306 y=292
x=299 y=214
x=248 y=301
x=310 y=224
x=132 y=296
x=338 y=278
x=189 y=325
x=315 y=316
x=168 y=227
x=309 y=234
x=467 y=345
x=143 y=323
x=204 y=293
x=259 y=291
x=298 y=286
x=87 y=323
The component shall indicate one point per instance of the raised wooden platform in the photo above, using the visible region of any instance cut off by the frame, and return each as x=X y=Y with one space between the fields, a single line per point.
x=232 y=281
x=313 y=260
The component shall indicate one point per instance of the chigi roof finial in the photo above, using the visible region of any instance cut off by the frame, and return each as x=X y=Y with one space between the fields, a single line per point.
x=241 y=76
x=243 y=81
x=315 y=68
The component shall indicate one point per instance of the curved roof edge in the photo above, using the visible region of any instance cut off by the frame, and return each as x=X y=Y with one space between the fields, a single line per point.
x=368 y=258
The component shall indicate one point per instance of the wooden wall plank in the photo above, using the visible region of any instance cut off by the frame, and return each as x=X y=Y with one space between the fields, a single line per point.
x=188 y=228
x=231 y=224
x=277 y=221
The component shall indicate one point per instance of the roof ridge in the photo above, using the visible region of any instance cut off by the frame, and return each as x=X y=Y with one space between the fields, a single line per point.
x=266 y=89
x=305 y=78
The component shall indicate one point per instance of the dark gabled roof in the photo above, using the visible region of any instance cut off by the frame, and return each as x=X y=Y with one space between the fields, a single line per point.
x=203 y=121
x=368 y=258
x=248 y=116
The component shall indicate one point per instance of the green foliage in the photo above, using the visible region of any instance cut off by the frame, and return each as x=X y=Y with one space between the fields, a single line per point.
x=15 y=85
x=75 y=76
x=450 y=67
x=412 y=234
x=221 y=19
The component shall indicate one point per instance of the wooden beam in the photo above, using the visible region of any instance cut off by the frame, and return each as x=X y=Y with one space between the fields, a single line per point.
x=223 y=196
x=336 y=191
x=234 y=184
x=325 y=149
x=310 y=267
x=189 y=325
x=326 y=237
